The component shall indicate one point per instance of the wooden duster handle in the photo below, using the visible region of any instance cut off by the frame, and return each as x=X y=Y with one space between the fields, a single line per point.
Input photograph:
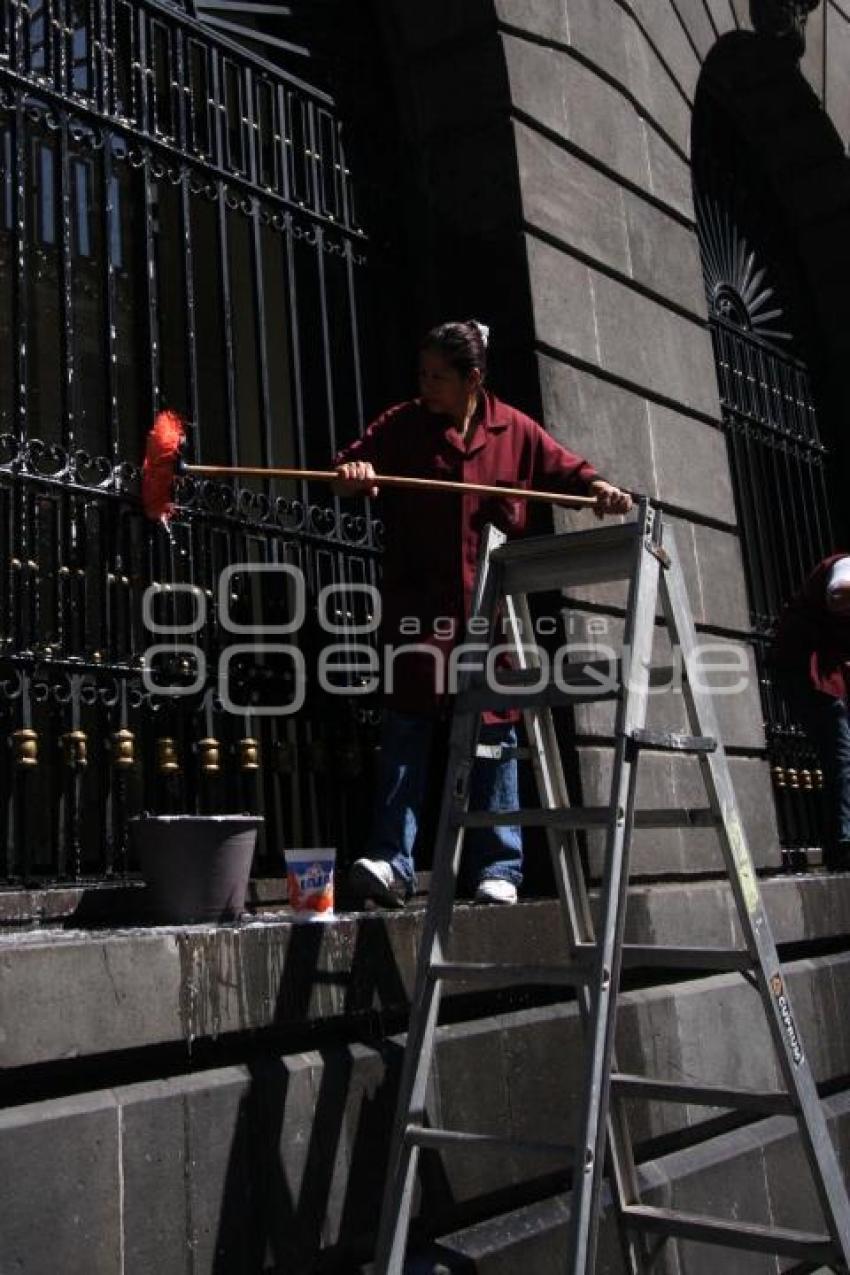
x=389 y=480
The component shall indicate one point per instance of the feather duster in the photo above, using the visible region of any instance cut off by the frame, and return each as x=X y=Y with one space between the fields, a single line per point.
x=162 y=456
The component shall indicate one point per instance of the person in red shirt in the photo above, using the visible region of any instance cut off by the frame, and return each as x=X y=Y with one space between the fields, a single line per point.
x=456 y=429
x=811 y=659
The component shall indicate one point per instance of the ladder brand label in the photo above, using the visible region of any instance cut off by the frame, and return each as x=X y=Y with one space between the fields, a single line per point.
x=743 y=862
x=794 y=1045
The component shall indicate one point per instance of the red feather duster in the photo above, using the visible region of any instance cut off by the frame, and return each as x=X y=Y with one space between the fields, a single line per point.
x=162 y=452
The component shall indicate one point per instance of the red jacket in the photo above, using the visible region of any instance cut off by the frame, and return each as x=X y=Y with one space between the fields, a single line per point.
x=813 y=641
x=432 y=538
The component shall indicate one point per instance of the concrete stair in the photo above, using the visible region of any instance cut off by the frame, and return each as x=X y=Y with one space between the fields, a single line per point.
x=228 y=1091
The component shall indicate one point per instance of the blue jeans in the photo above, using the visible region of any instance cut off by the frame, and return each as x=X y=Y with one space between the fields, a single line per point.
x=402 y=777
x=827 y=723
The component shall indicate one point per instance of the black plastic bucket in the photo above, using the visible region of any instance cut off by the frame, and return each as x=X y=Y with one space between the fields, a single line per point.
x=196 y=866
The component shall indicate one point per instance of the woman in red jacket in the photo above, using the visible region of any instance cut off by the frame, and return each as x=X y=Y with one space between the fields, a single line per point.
x=456 y=429
x=811 y=656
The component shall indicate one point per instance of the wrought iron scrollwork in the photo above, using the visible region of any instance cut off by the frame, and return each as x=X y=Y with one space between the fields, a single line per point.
x=177 y=228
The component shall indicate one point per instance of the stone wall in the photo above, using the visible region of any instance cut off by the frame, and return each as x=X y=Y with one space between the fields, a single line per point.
x=217 y=1100
x=552 y=182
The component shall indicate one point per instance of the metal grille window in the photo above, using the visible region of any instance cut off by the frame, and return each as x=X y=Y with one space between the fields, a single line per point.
x=777 y=456
x=176 y=229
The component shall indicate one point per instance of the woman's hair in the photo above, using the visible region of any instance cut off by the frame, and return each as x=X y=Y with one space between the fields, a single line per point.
x=462 y=345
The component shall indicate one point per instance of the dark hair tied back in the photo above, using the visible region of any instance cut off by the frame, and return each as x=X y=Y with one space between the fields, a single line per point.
x=462 y=345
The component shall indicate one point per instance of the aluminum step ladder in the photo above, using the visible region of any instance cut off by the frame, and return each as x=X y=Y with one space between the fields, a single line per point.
x=644 y=554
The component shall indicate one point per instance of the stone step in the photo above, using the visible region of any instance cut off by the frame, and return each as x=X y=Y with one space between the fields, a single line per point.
x=166 y=985
x=757 y=1174
x=286 y=1154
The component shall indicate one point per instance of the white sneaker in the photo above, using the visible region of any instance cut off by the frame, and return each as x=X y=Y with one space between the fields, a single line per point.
x=375 y=879
x=495 y=890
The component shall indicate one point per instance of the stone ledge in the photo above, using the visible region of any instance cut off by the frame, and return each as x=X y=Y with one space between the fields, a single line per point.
x=285 y=1156
x=104 y=903
x=755 y=1174
x=68 y=994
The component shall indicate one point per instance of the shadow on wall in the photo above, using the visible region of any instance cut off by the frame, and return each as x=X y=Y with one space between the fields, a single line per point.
x=307 y=1160
x=282 y=1163
x=305 y=1174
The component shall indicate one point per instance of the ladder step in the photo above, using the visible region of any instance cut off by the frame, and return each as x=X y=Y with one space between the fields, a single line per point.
x=716 y=960
x=588 y=683
x=591 y=682
x=589 y=557
x=766 y=1102
x=804 y=1245
x=566 y=817
x=664 y=741
x=421 y=1136
x=494 y=971
x=585 y=817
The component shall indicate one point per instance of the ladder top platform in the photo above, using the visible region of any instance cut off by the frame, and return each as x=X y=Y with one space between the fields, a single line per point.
x=540 y=548
x=540 y=563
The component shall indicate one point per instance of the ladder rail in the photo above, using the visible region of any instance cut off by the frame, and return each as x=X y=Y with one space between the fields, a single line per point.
x=599 y=1045
x=433 y=949
x=507 y=574
x=793 y=1061
x=577 y=917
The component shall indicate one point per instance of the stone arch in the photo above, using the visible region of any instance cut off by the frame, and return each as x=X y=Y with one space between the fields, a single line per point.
x=754 y=84
x=771 y=186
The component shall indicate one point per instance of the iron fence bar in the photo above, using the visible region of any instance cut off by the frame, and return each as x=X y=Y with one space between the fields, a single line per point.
x=261 y=322
x=7 y=552
x=227 y=319
x=150 y=289
x=285 y=141
x=718 y=337
x=260 y=318
x=69 y=397
x=773 y=513
x=171 y=152
x=806 y=550
x=820 y=504
x=20 y=309
x=190 y=320
x=26 y=594
x=291 y=285
x=90 y=11
x=749 y=501
x=111 y=233
x=777 y=508
x=19 y=807
x=355 y=344
x=105 y=59
x=326 y=351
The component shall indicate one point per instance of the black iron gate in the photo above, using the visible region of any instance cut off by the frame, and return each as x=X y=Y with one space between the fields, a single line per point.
x=177 y=228
x=778 y=458
x=778 y=468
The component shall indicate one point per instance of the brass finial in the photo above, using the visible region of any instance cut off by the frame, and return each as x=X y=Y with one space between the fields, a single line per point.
x=75 y=749
x=25 y=747
x=167 y=761
x=249 y=754
x=123 y=749
x=210 y=751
